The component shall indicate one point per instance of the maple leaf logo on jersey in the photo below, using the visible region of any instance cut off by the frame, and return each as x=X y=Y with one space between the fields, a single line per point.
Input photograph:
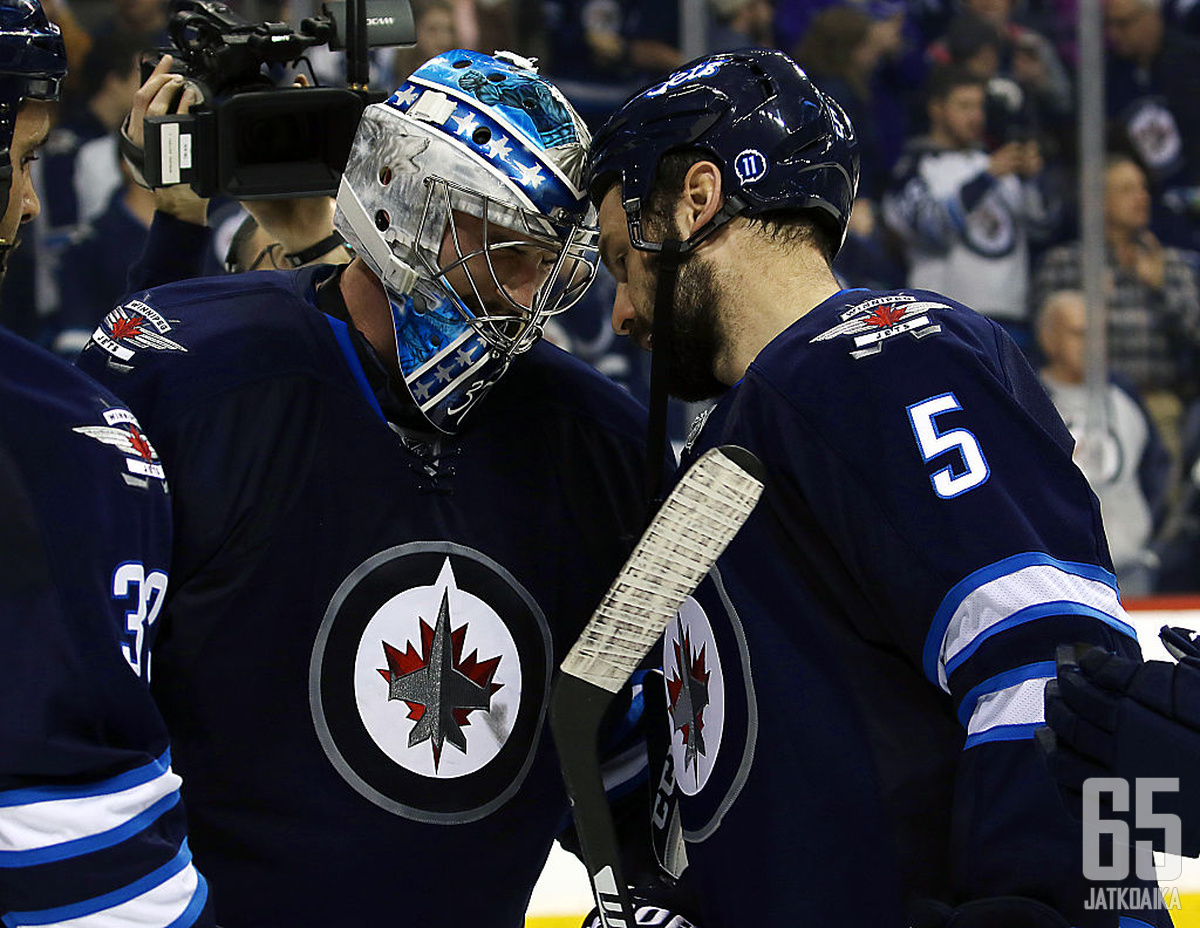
x=132 y=326
x=440 y=688
x=886 y=316
x=874 y=321
x=124 y=434
x=687 y=693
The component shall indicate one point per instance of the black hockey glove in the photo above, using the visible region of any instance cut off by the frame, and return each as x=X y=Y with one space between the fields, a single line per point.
x=1110 y=716
x=648 y=914
x=992 y=912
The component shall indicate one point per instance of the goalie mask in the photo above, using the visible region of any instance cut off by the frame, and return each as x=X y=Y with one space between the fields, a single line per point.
x=463 y=193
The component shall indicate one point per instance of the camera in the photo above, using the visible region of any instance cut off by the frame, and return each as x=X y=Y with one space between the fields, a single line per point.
x=250 y=139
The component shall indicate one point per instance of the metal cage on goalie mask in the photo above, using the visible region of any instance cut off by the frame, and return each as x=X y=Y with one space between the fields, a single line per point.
x=33 y=62
x=780 y=142
x=471 y=171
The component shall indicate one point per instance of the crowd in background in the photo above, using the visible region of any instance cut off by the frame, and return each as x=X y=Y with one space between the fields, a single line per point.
x=965 y=114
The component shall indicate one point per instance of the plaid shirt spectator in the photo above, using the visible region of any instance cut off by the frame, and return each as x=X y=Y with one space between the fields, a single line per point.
x=1153 y=334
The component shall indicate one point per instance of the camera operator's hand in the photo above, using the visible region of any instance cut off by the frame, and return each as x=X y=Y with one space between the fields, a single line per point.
x=297 y=224
x=161 y=94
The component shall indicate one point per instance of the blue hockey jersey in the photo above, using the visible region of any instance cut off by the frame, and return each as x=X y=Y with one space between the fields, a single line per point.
x=856 y=688
x=363 y=621
x=92 y=830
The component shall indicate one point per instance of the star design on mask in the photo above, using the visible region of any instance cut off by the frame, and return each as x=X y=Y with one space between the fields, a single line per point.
x=687 y=690
x=465 y=124
x=530 y=176
x=498 y=147
x=439 y=685
x=421 y=391
x=407 y=96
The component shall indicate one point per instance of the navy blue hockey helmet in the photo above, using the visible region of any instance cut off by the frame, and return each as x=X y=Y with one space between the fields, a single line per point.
x=780 y=142
x=33 y=62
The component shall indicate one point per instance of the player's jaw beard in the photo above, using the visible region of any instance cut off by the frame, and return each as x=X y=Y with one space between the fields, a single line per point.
x=696 y=333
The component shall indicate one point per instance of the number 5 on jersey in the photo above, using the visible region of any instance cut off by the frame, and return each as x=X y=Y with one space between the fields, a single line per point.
x=954 y=479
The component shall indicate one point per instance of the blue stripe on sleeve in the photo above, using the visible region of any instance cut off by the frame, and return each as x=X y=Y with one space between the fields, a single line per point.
x=128 y=779
x=1031 y=613
x=965 y=587
x=98 y=903
x=1004 y=733
x=1001 y=681
x=199 y=899
x=78 y=847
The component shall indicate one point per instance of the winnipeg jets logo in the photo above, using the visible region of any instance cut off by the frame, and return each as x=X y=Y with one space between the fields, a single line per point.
x=440 y=688
x=695 y=696
x=873 y=322
x=134 y=325
x=124 y=434
x=428 y=681
x=687 y=690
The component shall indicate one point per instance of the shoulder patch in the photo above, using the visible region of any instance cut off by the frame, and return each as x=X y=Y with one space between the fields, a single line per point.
x=132 y=326
x=122 y=432
x=874 y=321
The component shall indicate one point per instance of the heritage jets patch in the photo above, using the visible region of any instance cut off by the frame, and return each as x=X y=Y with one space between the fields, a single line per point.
x=123 y=433
x=132 y=326
x=428 y=681
x=874 y=321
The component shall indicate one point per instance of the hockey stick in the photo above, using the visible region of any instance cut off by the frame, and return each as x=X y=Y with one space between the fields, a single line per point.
x=693 y=526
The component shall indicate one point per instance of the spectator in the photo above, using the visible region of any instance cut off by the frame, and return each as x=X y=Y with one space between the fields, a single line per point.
x=965 y=216
x=71 y=179
x=79 y=167
x=841 y=53
x=91 y=273
x=436 y=33
x=1127 y=466
x=740 y=24
x=1153 y=93
x=1153 y=305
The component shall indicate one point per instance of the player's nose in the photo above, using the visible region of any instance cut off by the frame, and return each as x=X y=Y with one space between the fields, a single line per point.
x=622 y=311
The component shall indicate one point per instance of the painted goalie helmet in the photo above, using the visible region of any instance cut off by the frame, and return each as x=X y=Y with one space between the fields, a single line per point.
x=473 y=165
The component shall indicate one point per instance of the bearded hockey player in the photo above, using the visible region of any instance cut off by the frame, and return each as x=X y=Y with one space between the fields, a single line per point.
x=395 y=510
x=853 y=694
x=92 y=830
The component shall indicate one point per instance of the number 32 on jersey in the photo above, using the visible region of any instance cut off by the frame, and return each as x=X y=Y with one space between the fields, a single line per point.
x=970 y=470
x=144 y=593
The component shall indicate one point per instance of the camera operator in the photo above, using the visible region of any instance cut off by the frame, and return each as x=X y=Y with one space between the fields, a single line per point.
x=180 y=236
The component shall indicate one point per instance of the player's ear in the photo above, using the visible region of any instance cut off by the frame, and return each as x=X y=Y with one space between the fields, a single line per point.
x=702 y=196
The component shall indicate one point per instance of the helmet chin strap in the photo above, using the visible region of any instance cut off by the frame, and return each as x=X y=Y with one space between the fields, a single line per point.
x=6 y=171
x=671 y=255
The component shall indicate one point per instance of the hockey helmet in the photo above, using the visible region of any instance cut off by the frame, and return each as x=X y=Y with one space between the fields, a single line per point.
x=781 y=143
x=468 y=135
x=33 y=62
